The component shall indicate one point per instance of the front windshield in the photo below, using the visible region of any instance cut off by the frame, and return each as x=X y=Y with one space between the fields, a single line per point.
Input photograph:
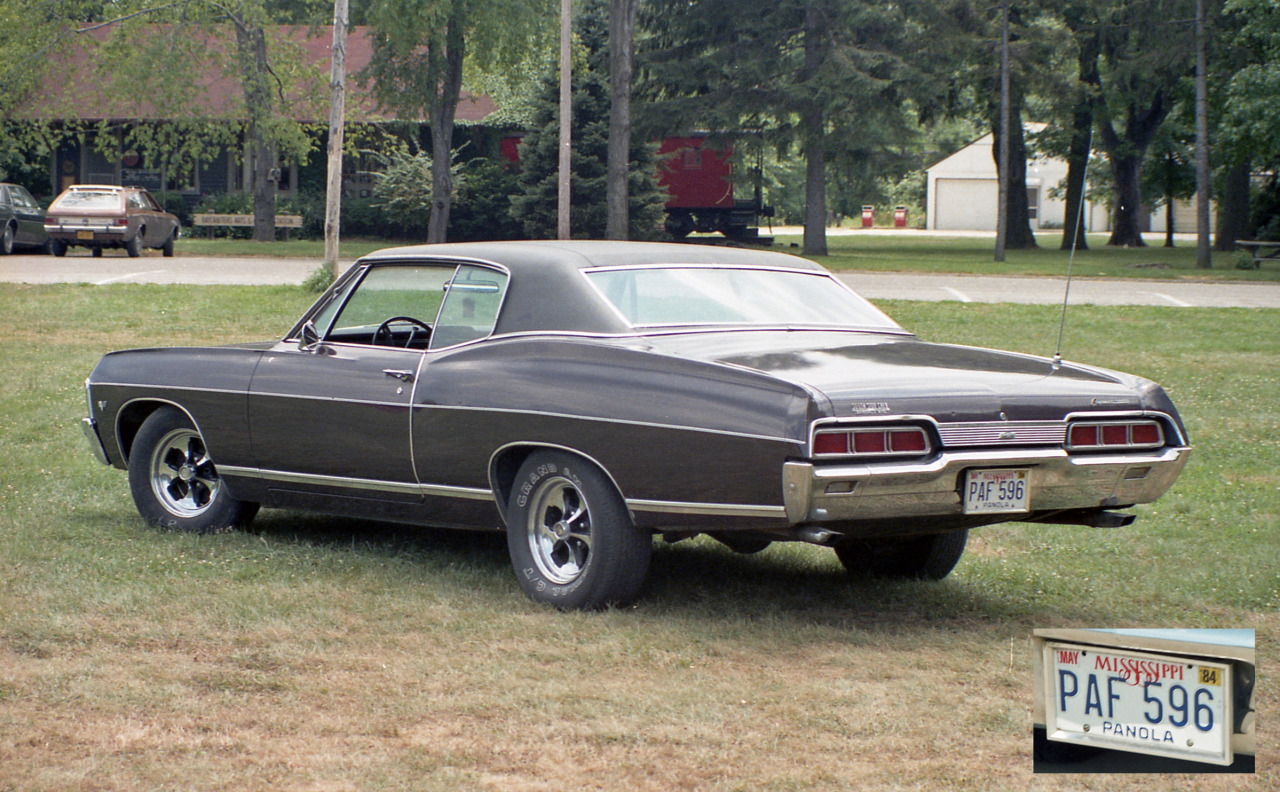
x=674 y=295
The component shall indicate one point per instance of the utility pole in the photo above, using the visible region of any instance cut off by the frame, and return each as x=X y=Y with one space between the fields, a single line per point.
x=337 y=114
x=566 y=113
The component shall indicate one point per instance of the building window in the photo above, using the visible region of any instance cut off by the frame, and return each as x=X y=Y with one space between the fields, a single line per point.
x=1033 y=203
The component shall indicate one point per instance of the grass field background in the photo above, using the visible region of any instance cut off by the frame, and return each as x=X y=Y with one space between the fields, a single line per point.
x=316 y=653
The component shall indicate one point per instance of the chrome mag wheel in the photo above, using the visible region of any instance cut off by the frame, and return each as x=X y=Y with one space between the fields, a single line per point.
x=182 y=475
x=559 y=530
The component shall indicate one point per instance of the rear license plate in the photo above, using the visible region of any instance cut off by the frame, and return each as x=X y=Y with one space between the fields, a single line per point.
x=1139 y=702
x=992 y=491
x=84 y=235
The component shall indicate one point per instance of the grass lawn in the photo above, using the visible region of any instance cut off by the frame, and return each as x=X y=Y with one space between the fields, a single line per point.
x=315 y=653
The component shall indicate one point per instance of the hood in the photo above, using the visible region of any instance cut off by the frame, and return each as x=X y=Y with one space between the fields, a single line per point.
x=882 y=374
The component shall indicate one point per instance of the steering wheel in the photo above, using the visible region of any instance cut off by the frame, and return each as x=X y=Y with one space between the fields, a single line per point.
x=385 y=329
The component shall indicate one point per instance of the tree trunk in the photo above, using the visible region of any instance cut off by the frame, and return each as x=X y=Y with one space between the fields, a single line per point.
x=1168 y=222
x=443 y=111
x=1204 y=259
x=622 y=18
x=1126 y=172
x=815 y=151
x=1233 y=209
x=1018 y=234
x=251 y=47
x=1073 y=225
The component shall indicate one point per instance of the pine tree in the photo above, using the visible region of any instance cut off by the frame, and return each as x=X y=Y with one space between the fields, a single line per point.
x=535 y=206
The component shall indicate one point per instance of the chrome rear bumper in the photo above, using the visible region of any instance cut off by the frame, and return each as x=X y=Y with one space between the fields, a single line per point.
x=826 y=493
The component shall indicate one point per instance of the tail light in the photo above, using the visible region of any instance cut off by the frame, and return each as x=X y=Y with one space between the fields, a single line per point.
x=879 y=441
x=1114 y=435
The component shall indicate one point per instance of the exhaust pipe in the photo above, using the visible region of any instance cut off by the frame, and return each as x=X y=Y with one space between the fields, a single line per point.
x=814 y=535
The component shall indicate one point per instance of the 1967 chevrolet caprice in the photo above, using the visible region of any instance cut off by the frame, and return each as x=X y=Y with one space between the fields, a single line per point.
x=584 y=396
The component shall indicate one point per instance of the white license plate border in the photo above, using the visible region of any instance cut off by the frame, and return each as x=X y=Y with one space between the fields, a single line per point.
x=1223 y=756
x=968 y=477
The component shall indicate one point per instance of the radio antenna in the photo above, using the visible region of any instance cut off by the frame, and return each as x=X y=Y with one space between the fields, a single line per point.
x=1075 y=238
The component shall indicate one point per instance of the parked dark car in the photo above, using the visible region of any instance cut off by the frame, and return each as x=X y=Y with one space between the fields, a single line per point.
x=588 y=395
x=21 y=220
x=99 y=216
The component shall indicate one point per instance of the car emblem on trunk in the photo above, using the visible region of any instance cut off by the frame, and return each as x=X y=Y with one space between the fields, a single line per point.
x=869 y=408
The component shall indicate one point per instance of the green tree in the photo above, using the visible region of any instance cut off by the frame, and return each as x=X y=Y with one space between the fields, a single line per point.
x=1146 y=48
x=819 y=73
x=421 y=48
x=535 y=206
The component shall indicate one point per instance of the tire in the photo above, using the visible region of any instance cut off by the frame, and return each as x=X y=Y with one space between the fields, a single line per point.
x=918 y=557
x=6 y=240
x=174 y=482
x=572 y=542
x=134 y=246
x=57 y=247
x=167 y=248
x=97 y=252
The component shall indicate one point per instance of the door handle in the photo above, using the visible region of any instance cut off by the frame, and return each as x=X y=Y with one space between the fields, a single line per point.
x=404 y=375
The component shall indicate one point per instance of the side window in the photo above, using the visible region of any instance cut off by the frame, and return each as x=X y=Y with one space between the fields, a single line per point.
x=396 y=291
x=471 y=306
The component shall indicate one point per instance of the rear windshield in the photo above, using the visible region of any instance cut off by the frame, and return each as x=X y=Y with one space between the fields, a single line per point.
x=87 y=199
x=691 y=295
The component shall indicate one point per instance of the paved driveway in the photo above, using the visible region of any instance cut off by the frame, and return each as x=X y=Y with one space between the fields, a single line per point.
x=154 y=268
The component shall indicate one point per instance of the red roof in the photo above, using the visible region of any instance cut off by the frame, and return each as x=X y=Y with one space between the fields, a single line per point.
x=72 y=87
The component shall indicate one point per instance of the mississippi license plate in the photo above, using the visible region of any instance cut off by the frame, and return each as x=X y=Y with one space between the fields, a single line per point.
x=84 y=235
x=1139 y=702
x=992 y=491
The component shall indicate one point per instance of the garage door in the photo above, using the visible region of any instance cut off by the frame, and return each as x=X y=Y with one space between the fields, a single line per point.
x=965 y=204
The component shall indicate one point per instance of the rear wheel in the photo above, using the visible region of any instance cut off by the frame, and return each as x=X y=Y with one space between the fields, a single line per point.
x=6 y=240
x=57 y=247
x=134 y=246
x=571 y=539
x=97 y=252
x=173 y=481
x=917 y=557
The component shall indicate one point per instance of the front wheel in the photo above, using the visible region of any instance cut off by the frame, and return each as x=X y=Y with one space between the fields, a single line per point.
x=6 y=240
x=173 y=481
x=917 y=557
x=571 y=539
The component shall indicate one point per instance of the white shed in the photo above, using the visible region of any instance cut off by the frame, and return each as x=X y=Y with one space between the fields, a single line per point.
x=963 y=191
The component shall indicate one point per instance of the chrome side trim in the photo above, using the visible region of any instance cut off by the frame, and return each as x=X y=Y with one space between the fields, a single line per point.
x=707 y=509
x=371 y=485
x=646 y=424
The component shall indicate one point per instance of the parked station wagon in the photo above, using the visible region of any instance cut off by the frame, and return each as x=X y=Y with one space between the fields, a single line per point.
x=584 y=397
x=100 y=216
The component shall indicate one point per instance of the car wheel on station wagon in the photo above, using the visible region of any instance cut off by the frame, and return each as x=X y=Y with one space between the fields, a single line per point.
x=918 y=557
x=174 y=482
x=571 y=539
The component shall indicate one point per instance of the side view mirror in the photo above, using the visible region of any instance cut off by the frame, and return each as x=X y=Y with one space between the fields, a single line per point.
x=310 y=337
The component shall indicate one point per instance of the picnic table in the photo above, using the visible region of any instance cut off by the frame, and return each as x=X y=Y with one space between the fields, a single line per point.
x=1262 y=251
